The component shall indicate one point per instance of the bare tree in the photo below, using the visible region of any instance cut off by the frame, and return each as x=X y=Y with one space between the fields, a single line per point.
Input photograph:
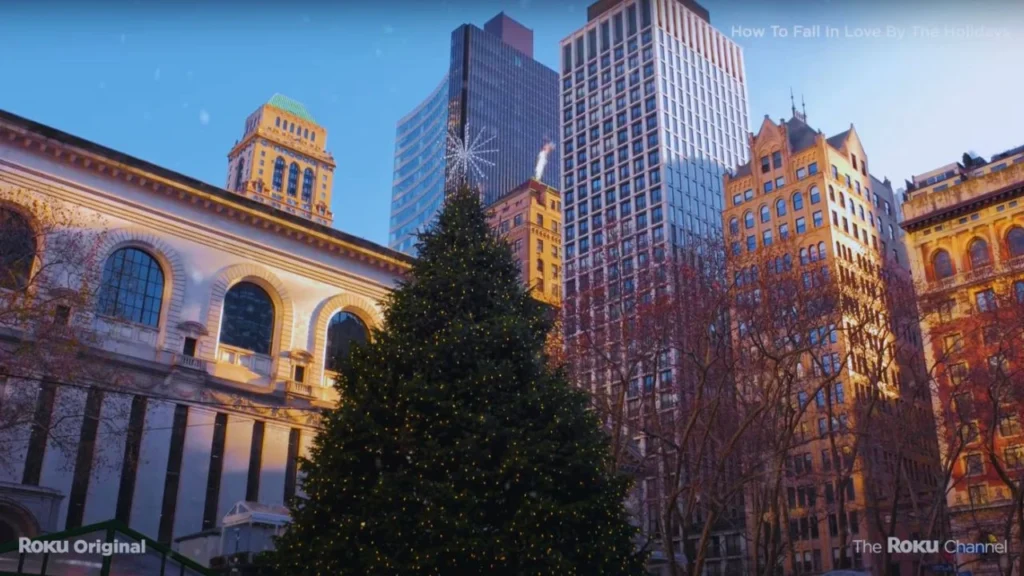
x=49 y=276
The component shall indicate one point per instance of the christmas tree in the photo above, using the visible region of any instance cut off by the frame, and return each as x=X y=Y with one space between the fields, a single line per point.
x=456 y=448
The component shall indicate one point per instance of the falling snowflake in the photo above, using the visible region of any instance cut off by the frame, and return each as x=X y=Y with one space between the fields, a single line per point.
x=465 y=157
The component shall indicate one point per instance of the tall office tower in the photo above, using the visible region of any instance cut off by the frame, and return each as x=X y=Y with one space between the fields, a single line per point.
x=965 y=235
x=860 y=443
x=485 y=124
x=654 y=111
x=282 y=160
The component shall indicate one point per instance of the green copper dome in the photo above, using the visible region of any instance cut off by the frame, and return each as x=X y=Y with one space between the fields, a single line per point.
x=291 y=106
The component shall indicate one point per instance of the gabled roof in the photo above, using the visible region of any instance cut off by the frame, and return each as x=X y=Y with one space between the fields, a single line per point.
x=801 y=136
x=290 y=106
x=838 y=140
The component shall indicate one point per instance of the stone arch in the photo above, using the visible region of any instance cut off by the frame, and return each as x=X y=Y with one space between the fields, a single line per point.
x=363 y=307
x=174 y=275
x=17 y=520
x=283 y=317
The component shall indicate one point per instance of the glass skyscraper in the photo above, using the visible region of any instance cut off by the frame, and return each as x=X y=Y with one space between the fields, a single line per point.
x=418 y=186
x=497 y=96
x=653 y=107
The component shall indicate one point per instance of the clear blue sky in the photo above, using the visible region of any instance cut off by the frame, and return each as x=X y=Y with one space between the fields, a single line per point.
x=172 y=82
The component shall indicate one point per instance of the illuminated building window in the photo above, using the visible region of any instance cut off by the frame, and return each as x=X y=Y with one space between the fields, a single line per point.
x=248 y=321
x=278 y=173
x=942 y=265
x=132 y=287
x=17 y=250
x=979 y=254
x=343 y=330
x=293 y=179
x=307 y=184
x=1015 y=241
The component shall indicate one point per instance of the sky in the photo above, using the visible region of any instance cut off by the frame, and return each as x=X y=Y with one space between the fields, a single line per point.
x=172 y=82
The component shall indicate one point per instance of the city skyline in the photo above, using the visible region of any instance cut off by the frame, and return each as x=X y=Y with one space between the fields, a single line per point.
x=174 y=85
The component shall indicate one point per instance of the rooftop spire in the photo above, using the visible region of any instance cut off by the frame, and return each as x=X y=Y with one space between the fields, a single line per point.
x=792 y=101
x=803 y=106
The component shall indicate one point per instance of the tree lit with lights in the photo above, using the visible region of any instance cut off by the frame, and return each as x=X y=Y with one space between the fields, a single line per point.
x=457 y=447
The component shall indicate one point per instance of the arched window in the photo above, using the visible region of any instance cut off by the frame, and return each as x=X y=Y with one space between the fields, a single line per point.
x=766 y=214
x=313 y=136
x=1015 y=241
x=787 y=262
x=277 y=121
x=343 y=330
x=942 y=264
x=307 y=184
x=821 y=250
x=814 y=253
x=17 y=250
x=978 y=253
x=248 y=318
x=803 y=256
x=748 y=220
x=238 y=174
x=132 y=287
x=293 y=179
x=798 y=201
x=815 y=194
x=734 y=226
x=780 y=207
x=278 y=173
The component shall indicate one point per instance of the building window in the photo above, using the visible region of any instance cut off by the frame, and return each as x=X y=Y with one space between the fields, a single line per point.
x=766 y=237
x=248 y=318
x=798 y=201
x=776 y=159
x=1009 y=425
x=238 y=174
x=986 y=300
x=343 y=330
x=1018 y=291
x=278 y=173
x=734 y=226
x=17 y=250
x=780 y=207
x=978 y=253
x=765 y=164
x=817 y=218
x=942 y=265
x=748 y=220
x=815 y=194
x=307 y=184
x=293 y=179
x=801 y=225
x=974 y=465
x=132 y=287
x=766 y=214
x=1015 y=241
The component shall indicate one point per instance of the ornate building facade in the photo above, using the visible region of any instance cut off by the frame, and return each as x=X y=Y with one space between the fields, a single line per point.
x=282 y=160
x=806 y=207
x=219 y=314
x=965 y=236
x=530 y=218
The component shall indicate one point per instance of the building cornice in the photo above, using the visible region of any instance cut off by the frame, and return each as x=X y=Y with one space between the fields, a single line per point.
x=1014 y=190
x=92 y=156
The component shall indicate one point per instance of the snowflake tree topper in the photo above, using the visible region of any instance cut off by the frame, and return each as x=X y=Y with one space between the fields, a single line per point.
x=465 y=156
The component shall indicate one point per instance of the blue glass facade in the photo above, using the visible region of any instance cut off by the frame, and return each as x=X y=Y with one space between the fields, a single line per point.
x=503 y=95
x=418 y=187
x=493 y=93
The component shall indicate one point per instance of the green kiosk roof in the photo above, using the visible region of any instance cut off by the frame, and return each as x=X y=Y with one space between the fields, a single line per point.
x=81 y=558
